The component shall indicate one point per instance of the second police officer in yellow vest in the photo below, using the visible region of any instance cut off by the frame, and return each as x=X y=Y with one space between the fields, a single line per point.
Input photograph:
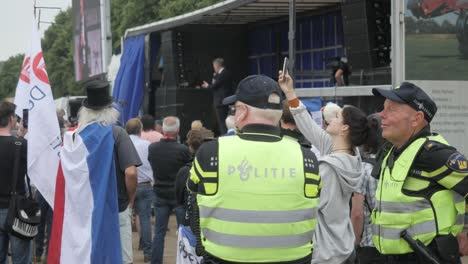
x=257 y=192
x=422 y=185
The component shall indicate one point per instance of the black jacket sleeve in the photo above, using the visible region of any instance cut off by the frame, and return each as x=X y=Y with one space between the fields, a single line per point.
x=180 y=185
x=220 y=80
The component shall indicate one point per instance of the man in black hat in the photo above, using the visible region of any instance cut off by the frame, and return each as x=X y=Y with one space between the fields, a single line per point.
x=257 y=192
x=97 y=107
x=422 y=184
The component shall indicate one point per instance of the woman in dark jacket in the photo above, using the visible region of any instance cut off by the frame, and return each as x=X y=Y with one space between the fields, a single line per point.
x=195 y=139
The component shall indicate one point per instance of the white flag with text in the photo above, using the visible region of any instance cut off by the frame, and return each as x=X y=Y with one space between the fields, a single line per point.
x=44 y=139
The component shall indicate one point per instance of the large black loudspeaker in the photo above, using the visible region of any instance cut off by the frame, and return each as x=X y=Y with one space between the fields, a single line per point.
x=367 y=33
x=188 y=53
x=173 y=97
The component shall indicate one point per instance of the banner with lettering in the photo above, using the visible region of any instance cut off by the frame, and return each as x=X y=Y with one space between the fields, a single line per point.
x=44 y=140
x=186 y=243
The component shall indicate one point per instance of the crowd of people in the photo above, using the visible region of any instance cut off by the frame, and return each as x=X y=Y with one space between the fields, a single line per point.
x=276 y=187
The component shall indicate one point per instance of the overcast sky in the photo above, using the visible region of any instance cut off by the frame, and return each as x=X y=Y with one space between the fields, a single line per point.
x=16 y=19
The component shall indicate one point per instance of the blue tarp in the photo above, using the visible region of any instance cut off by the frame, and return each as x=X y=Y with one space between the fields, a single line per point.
x=312 y=104
x=130 y=80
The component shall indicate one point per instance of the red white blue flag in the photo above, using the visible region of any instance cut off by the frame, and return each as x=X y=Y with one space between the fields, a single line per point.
x=86 y=215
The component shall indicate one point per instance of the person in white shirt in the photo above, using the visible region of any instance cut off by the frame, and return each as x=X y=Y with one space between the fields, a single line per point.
x=144 y=195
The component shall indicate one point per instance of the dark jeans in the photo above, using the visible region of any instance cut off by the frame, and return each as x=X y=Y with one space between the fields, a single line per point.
x=369 y=255
x=414 y=258
x=162 y=210
x=209 y=259
x=143 y=200
x=44 y=227
x=21 y=250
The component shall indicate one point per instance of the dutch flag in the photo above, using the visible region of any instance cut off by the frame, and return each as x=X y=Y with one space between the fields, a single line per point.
x=86 y=221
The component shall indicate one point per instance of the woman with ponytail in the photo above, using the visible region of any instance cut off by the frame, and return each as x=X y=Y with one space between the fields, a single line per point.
x=363 y=200
x=340 y=169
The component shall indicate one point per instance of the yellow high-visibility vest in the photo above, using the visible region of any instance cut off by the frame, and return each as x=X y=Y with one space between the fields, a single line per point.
x=423 y=219
x=261 y=206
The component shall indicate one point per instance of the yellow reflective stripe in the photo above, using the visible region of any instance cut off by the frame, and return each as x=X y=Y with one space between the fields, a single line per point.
x=312 y=176
x=203 y=173
x=246 y=241
x=194 y=175
x=260 y=134
x=399 y=207
x=258 y=229
x=413 y=184
x=311 y=190
x=210 y=188
x=388 y=232
x=258 y=216
x=434 y=173
x=452 y=179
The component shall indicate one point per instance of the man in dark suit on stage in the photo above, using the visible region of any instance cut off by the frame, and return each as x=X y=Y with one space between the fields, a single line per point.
x=221 y=85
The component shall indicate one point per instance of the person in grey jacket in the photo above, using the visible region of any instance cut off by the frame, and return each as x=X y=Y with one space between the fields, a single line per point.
x=340 y=167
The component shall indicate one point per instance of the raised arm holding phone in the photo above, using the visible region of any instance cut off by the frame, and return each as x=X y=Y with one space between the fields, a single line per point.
x=340 y=167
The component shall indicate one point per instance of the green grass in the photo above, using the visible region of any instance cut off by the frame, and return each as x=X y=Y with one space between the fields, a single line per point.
x=434 y=58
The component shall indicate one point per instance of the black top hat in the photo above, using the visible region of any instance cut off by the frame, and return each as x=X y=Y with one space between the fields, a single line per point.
x=255 y=90
x=412 y=95
x=98 y=97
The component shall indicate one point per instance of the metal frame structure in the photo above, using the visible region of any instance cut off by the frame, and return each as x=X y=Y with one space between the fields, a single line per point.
x=398 y=41
x=250 y=11
x=233 y=12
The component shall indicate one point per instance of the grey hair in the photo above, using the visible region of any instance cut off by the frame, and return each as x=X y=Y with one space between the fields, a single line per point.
x=271 y=115
x=106 y=116
x=171 y=125
x=230 y=122
x=219 y=61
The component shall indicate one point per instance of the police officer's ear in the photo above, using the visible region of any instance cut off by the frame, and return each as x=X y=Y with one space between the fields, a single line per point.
x=241 y=112
x=418 y=119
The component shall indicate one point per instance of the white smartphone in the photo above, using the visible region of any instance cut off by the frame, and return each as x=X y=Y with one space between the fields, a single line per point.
x=285 y=66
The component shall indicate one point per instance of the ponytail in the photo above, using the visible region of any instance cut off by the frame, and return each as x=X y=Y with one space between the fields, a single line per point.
x=356 y=119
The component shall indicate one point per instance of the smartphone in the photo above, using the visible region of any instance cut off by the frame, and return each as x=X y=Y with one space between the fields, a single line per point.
x=25 y=118
x=285 y=66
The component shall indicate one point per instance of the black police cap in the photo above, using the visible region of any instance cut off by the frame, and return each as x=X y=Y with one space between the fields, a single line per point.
x=412 y=95
x=255 y=90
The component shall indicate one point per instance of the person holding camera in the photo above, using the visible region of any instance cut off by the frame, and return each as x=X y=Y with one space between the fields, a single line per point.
x=340 y=72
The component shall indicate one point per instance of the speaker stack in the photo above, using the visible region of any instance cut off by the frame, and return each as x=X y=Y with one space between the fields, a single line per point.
x=367 y=33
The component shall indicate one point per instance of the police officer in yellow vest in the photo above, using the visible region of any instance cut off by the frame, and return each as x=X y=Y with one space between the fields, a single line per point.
x=422 y=185
x=257 y=192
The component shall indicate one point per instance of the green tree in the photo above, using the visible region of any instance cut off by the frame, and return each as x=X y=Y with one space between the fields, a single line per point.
x=126 y=14
x=9 y=75
x=171 y=8
x=57 y=45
